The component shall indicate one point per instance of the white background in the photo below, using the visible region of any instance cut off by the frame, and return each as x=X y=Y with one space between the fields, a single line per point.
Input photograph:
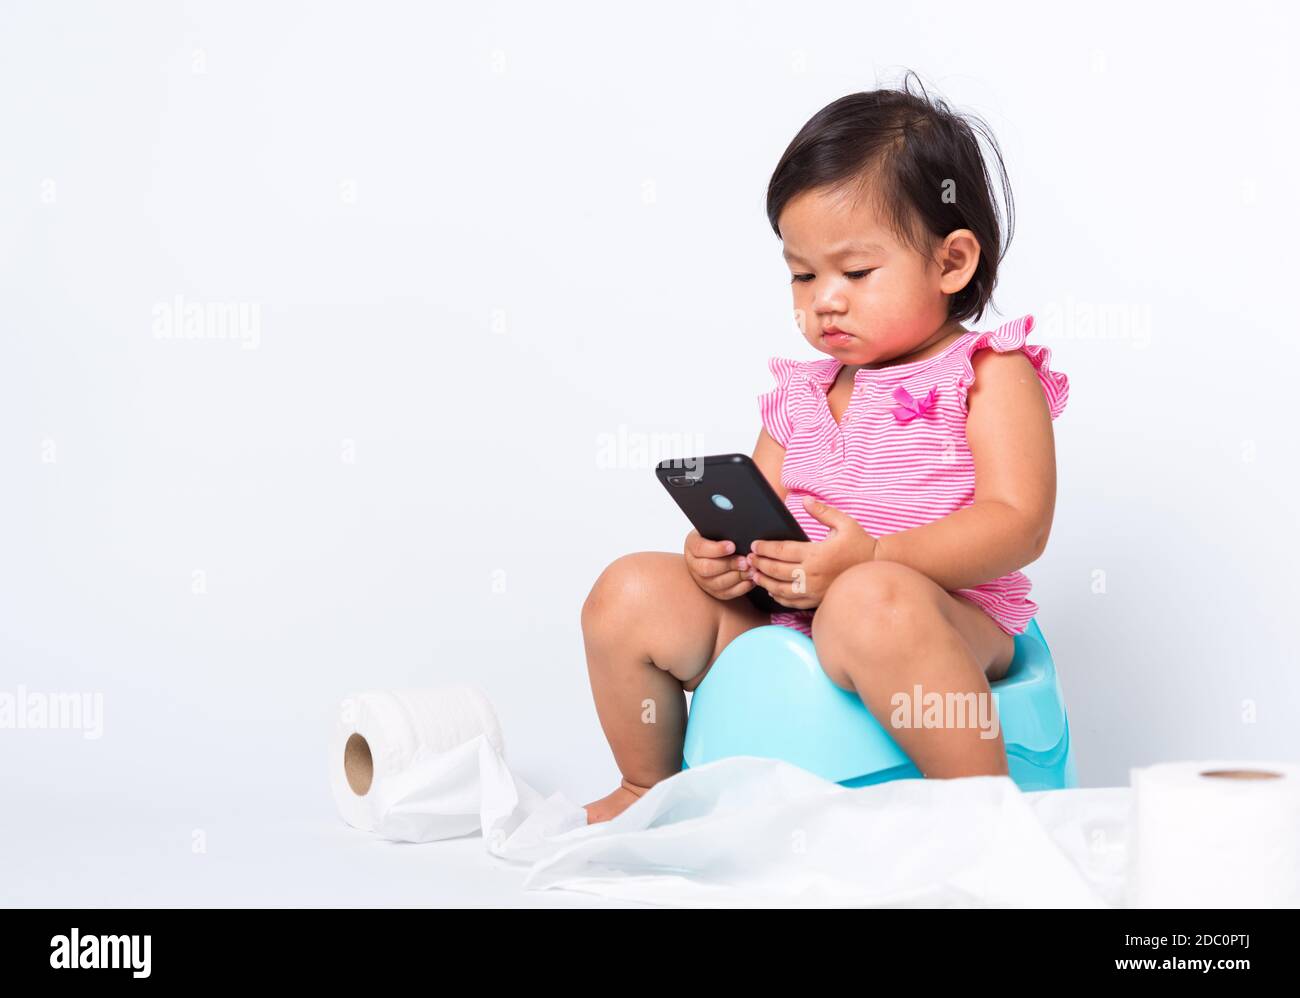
x=484 y=240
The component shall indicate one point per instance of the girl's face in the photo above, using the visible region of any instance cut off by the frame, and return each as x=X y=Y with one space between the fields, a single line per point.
x=849 y=272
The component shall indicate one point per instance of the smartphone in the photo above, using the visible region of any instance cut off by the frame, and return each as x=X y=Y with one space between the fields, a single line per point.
x=727 y=498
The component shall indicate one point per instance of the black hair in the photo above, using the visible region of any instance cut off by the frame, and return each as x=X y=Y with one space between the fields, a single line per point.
x=905 y=150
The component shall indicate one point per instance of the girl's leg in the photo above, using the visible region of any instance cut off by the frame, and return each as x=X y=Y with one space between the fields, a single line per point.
x=896 y=638
x=651 y=634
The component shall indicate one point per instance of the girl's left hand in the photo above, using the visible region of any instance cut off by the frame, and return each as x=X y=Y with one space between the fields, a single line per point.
x=798 y=573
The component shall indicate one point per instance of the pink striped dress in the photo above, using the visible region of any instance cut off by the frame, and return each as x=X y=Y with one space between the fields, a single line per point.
x=888 y=472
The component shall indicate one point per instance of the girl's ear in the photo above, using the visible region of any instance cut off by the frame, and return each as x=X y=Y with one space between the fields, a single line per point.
x=958 y=257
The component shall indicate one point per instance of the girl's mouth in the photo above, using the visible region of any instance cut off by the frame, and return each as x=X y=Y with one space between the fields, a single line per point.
x=836 y=338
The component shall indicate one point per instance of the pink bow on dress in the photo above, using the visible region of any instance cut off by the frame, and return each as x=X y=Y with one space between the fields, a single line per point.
x=909 y=408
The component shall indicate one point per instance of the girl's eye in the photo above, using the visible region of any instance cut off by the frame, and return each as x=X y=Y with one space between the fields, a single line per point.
x=851 y=274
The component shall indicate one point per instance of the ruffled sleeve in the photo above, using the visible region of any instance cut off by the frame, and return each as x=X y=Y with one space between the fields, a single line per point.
x=1011 y=336
x=774 y=407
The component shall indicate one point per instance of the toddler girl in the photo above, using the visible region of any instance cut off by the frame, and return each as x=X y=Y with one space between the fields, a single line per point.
x=917 y=456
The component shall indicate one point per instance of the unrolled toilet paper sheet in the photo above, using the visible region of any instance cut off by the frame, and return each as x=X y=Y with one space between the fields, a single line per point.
x=421 y=765
x=747 y=830
x=740 y=831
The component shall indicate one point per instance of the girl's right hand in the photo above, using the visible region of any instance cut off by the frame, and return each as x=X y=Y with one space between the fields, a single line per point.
x=716 y=568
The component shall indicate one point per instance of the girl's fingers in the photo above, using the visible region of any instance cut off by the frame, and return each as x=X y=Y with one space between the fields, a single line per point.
x=773 y=586
x=705 y=568
x=731 y=579
x=773 y=569
x=782 y=592
x=793 y=551
x=713 y=549
x=710 y=568
x=743 y=587
x=725 y=580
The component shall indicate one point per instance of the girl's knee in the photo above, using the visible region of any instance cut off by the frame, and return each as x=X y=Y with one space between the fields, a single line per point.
x=877 y=596
x=625 y=583
x=871 y=613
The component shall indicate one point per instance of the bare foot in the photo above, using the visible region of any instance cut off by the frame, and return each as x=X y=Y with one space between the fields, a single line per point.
x=612 y=805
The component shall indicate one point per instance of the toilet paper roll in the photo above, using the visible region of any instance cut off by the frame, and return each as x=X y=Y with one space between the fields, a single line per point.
x=1214 y=834
x=388 y=747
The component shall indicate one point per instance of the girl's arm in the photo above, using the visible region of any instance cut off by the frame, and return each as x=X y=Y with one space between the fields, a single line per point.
x=770 y=458
x=1009 y=430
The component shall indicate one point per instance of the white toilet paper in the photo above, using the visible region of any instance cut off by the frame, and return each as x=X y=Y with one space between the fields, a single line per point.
x=420 y=765
x=1214 y=834
x=380 y=735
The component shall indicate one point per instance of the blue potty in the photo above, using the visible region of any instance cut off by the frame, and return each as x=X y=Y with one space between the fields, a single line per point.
x=767 y=695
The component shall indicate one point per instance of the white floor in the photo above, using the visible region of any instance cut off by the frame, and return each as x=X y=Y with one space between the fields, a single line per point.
x=101 y=855
x=232 y=814
x=177 y=806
